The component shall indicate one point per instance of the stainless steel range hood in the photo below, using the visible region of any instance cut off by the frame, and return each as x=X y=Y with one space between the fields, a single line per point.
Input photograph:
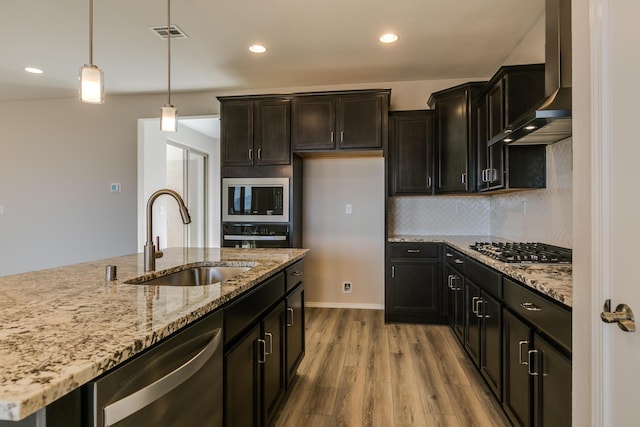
x=549 y=121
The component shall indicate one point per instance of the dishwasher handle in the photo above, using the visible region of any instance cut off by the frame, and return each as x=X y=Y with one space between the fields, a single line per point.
x=137 y=400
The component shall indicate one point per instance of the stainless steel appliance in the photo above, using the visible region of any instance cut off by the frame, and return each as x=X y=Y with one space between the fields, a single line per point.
x=524 y=252
x=174 y=384
x=262 y=235
x=255 y=200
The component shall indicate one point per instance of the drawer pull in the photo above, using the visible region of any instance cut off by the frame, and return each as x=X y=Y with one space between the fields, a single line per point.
x=458 y=261
x=449 y=255
x=529 y=306
x=297 y=273
x=413 y=251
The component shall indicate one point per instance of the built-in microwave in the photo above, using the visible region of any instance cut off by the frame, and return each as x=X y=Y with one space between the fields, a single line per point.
x=255 y=199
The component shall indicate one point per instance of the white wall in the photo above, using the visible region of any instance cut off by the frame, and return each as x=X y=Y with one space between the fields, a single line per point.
x=344 y=247
x=57 y=161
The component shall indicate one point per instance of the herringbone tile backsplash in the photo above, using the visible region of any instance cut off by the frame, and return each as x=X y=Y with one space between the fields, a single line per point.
x=543 y=215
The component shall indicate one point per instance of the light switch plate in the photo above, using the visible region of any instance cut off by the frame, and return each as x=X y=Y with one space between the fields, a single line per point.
x=348 y=209
x=115 y=187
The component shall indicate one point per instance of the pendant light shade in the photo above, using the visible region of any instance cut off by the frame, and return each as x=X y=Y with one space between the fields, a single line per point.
x=169 y=118
x=169 y=113
x=91 y=77
x=91 y=84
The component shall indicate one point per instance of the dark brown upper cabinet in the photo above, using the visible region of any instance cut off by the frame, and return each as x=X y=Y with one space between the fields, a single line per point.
x=340 y=121
x=511 y=91
x=255 y=131
x=455 y=148
x=411 y=140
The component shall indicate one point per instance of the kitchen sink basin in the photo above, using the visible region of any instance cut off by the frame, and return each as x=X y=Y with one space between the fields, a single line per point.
x=193 y=276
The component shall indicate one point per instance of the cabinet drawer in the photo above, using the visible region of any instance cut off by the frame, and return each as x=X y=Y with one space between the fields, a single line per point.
x=247 y=309
x=294 y=274
x=547 y=316
x=483 y=276
x=414 y=250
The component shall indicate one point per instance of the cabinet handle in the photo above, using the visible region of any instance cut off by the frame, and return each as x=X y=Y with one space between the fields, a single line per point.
x=522 y=362
x=250 y=153
x=529 y=306
x=297 y=273
x=332 y=136
x=264 y=351
x=531 y=353
x=484 y=175
x=458 y=261
x=341 y=136
x=455 y=278
x=463 y=178
x=480 y=300
x=428 y=182
x=449 y=255
x=268 y=334
x=260 y=153
x=474 y=304
x=393 y=271
x=450 y=281
x=290 y=323
x=413 y=251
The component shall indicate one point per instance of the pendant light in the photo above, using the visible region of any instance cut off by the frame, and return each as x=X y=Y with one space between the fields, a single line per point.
x=91 y=77
x=169 y=113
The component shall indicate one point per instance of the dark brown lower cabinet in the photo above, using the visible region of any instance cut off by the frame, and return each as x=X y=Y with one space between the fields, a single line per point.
x=537 y=377
x=272 y=362
x=241 y=396
x=295 y=331
x=413 y=283
x=454 y=301
x=491 y=342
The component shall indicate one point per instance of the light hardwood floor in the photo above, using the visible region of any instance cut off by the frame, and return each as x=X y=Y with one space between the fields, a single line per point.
x=357 y=371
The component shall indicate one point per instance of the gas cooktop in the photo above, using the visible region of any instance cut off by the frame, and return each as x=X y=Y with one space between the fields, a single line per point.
x=523 y=252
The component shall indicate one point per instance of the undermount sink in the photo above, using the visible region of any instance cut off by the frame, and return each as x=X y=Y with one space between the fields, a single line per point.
x=192 y=276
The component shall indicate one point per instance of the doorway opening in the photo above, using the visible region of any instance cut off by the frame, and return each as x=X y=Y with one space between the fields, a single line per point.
x=188 y=162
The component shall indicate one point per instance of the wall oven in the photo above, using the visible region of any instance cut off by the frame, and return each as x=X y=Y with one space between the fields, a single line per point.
x=255 y=200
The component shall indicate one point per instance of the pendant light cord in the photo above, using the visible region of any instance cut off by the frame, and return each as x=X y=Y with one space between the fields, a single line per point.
x=90 y=32
x=168 y=49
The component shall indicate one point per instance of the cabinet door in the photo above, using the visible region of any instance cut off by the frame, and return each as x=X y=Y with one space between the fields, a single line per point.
x=273 y=367
x=272 y=141
x=455 y=300
x=516 y=392
x=496 y=171
x=295 y=332
x=472 y=300
x=313 y=122
x=236 y=133
x=359 y=121
x=491 y=343
x=495 y=102
x=552 y=386
x=482 y=139
x=452 y=142
x=414 y=291
x=411 y=142
x=242 y=376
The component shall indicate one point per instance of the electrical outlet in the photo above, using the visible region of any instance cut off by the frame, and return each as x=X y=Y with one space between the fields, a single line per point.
x=346 y=287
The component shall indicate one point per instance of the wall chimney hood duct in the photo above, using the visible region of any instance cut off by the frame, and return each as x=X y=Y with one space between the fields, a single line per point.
x=549 y=121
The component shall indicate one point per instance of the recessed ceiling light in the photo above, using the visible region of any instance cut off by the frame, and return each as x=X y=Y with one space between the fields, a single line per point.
x=33 y=70
x=257 y=48
x=388 y=38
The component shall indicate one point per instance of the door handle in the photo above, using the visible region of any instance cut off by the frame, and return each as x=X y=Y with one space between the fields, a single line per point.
x=623 y=316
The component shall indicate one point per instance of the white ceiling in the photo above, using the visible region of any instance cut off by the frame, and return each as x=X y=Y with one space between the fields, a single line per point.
x=311 y=42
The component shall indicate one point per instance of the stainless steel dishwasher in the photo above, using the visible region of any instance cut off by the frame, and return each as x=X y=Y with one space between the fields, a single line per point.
x=178 y=382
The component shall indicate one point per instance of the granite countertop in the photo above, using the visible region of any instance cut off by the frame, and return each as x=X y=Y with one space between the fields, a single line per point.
x=64 y=326
x=553 y=280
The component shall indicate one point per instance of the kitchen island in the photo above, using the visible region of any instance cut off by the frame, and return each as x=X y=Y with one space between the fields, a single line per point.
x=64 y=326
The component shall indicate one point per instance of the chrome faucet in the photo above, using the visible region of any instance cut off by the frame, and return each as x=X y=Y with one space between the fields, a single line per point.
x=150 y=252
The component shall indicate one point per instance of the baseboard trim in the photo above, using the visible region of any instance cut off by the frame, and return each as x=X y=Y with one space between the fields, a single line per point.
x=343 y=305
